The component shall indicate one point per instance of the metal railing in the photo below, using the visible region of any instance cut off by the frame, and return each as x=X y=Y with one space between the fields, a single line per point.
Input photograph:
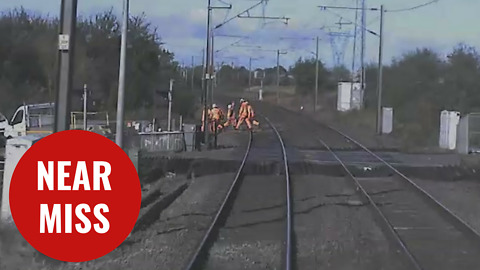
x=93 y=118
x=170 y=141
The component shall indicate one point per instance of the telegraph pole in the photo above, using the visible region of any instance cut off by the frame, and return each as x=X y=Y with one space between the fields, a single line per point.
x=250 y=74
x=250 y=71
x=278 y=75
x=380 y=60
x=316 y=77
x=212 y=65
x=66 y=50
x=380 y=74
x=363 y=47
x=207 y=78
x=278 y=70
x=203 y=73
x=193 y=70
x=121 y=77
x=209 y=60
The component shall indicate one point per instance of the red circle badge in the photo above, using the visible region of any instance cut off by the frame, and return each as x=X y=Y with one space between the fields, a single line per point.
x=75 y=196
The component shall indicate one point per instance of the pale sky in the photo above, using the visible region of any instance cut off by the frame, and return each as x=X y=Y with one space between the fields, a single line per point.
x=182 y=26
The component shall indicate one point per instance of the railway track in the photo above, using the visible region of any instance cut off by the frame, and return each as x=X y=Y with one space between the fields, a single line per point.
x=424 y=231
x=265 y=202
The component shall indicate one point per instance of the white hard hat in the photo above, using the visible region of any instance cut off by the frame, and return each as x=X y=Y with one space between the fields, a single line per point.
x=229 y=106
x=242 y=100
x=214 y=105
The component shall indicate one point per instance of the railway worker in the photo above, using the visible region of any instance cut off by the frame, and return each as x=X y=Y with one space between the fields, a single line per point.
x=244 y=114
x=241 y=112
x=233 y=109
x=216 y=116
x=251 y=114
x=231 y=120
x=209 y=114
x=241 y=102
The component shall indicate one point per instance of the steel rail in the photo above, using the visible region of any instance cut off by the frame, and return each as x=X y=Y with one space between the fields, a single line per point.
x=196 y=260
x=447 y=213
x=464 y=226
x=379 y=212
x=288 y=248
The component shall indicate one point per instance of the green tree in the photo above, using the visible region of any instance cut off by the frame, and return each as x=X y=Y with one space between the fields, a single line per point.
x=28 y=59
x=461 y=84
x=304 y=74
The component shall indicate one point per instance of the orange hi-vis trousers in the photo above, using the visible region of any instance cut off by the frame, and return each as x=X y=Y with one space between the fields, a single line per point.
x=247 y=121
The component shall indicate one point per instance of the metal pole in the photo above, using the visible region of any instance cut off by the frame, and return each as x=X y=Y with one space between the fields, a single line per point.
x=84 y=107
x=193 y=70
x=169 y=128
x=66 y=50
x=202 y=76
x=121 y=77
x=154 y=99
x=364 y=27
x=212 y=84
x=278 y=76
x=250 y=74
x=217 y=80
x=316 y=77
x=380 y=75
x=207 y=79
x=352 y=80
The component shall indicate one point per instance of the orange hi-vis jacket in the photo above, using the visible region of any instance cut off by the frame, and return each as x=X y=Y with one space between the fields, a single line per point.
x=250 y=112
x=216 y=114
x=246 y=111
x=243 y=112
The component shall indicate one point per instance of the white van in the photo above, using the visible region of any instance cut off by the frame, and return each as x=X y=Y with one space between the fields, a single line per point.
x=31 y=119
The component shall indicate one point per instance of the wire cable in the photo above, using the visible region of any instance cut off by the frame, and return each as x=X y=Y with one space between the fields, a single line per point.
x=412 y=8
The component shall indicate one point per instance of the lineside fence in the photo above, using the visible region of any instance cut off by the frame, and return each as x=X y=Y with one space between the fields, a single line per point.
x=154 y=144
